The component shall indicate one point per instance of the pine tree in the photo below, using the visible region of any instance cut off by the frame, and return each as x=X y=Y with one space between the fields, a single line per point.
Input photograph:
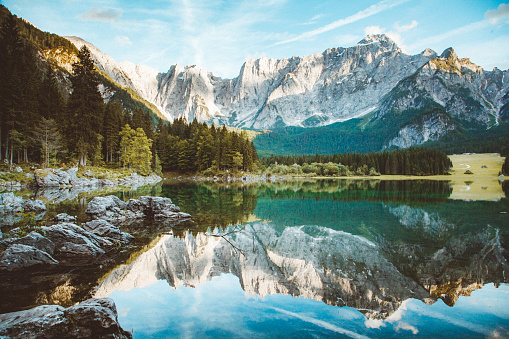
x=85 y=108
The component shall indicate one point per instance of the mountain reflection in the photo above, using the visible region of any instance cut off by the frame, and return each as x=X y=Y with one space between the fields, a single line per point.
x=315 y=262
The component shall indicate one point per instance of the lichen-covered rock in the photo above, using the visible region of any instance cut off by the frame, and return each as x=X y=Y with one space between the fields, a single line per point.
x=93 y=318
x=18 y=256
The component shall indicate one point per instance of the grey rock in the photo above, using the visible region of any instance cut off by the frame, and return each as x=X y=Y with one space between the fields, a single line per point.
x=107 y=208
x=93 y=318
x=113 y=210
x=46 y=178
x=38 y=241
x=72 y=240
x=104 y=229
x=64 y=217
x=18 y=256
x=33 y=206
x=12 y=206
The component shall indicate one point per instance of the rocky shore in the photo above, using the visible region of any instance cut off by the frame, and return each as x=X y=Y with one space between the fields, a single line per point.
x=60 y=178
x=67 y=244
x=50 y=178
x=67 y=239
x=93 y=318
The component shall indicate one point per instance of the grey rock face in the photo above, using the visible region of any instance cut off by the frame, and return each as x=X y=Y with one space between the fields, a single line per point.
x=18 y=256
x=93 y=318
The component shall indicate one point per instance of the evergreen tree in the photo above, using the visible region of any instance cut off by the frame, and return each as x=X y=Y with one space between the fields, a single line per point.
x=85 y=108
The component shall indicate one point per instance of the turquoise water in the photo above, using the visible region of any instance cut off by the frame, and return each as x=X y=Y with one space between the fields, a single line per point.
x=320 y=259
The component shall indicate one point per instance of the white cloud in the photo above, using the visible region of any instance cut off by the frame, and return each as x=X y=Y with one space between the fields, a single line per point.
x=501 y=13
x=404 y=28
x=374 y=323
x=371 y=10
x=313 y=20
x=407 y=327
x=373 y=30
x=105 y=15
x=123 y=40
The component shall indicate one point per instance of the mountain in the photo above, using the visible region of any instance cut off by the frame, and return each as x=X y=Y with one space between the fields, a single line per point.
x=368 y=97
x=371 y=92
x=61 y=53
x=315 y=90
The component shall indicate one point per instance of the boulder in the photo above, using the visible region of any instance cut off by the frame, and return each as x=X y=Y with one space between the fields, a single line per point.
x=93 y=318
x=104 y=229
x=64 y=217
x=9 y=203
x=36 y=240
x=46 y=178
x=18 y=256
x=34 y=206
x=72 y=240
x=108 y=208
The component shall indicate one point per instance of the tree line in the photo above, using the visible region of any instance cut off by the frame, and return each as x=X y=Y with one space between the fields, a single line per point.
x=411 y=161
x=197 y=147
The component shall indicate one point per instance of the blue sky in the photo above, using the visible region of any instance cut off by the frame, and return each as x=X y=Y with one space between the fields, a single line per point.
x=219 y=35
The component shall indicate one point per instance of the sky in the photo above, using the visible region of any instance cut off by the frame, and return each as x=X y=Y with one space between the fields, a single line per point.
x=220 y=35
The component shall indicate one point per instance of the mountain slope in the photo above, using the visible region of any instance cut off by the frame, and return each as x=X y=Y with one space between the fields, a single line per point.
x=372 y=96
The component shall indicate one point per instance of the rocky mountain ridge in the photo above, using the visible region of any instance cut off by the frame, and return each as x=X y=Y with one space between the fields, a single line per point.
x=374 y=76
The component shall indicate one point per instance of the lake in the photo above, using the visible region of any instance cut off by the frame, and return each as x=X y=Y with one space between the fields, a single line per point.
x=315 y=258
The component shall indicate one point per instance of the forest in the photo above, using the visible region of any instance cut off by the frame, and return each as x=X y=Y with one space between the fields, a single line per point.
x=411 y=161
x=40 y=124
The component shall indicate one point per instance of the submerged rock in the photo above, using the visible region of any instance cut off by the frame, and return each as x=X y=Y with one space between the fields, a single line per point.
x=93 y=318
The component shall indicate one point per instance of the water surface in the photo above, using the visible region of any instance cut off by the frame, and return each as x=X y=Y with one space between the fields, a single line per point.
x=322 y=258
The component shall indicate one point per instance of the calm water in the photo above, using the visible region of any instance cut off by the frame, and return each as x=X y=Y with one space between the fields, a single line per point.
x=321 y=258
